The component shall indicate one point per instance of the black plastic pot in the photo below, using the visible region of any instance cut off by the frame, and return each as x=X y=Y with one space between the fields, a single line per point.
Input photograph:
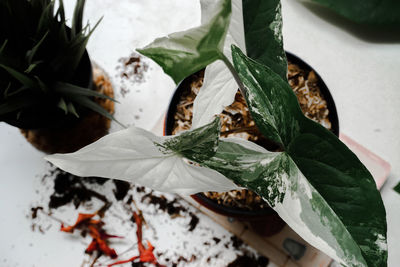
x=265 y=222
x=333 y=115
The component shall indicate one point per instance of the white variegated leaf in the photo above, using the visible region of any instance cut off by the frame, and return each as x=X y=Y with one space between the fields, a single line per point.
x=133 y=155
x=330 y=198
x=219 y=84
x=217 y=92
x=276 y=178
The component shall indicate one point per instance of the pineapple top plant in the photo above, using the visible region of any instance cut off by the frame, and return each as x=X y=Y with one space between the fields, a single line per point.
x=45 y=72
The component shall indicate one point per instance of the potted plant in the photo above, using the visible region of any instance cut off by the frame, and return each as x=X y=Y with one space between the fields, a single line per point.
x=314 y=182
x=46 y=80
x=244 y=205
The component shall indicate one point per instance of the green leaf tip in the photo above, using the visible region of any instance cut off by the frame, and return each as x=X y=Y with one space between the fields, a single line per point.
x=63 y=106
x=263 y=34
x=183 y=53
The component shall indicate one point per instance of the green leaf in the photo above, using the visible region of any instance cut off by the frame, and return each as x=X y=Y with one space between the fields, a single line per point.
x=397 y=188
x=62 y=105
x=3 y=46
x=348 y=187
x=68 y=89
x=91 y=30
x=275 y=177
x=7 y=92
x=204 y=147
x=77 y=17
x=249 y=167
x=16 y=103
x=374 y=12
x=61 y=11
x=183 y=53
x=263 y=33
x=330 y=167
x=270 y=99
x=42 y=85
x=31 y=53
x=90 y=104
x=46 y=17
x=25 y=80
x=30 y=68
x=72 y=110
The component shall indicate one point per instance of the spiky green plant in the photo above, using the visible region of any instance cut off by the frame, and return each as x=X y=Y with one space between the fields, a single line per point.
x=41 y=60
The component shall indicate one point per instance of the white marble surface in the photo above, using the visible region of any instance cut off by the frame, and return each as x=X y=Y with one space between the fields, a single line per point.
x=361 y=68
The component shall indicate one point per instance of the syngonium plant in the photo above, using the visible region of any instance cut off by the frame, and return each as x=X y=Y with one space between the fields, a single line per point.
x=316 y=184
x=39 y=62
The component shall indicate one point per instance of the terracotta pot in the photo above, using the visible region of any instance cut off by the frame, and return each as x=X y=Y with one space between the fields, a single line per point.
x=265 y=222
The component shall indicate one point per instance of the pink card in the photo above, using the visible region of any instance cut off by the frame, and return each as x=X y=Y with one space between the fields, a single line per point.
x=378 y=167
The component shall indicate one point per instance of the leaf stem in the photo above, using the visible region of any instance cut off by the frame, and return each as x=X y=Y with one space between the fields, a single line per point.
x=234 y=73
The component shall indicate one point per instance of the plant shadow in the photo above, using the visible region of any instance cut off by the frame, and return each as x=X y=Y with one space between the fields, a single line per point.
x=369 y=33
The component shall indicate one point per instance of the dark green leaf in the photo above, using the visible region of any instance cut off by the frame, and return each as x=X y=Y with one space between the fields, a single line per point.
x=31 y=53
x=183 y=53
x=270 y=99
x=374 y=12
x=72 y=110
x=61 y=12
x=63 y=35
x=346 y=184
x=42 y=85
x=250 y=168
x=19 y=114
x=205 y=146
x=7 y=92
x=46 y=17
x=78 y=17
x=22 y=78
x=62 y=105
x=91 y=30
x=3 y=46
x=70 y=89
x=397 y=188
x=90 y=104
x=275 y=177
x=16 y=103
x=263 y=34
x=30 y=68
x=332 y=169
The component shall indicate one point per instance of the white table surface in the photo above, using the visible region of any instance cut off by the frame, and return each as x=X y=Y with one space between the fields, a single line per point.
x=360 y=67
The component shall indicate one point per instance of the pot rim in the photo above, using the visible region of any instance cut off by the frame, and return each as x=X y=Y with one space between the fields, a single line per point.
x=235 y=212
